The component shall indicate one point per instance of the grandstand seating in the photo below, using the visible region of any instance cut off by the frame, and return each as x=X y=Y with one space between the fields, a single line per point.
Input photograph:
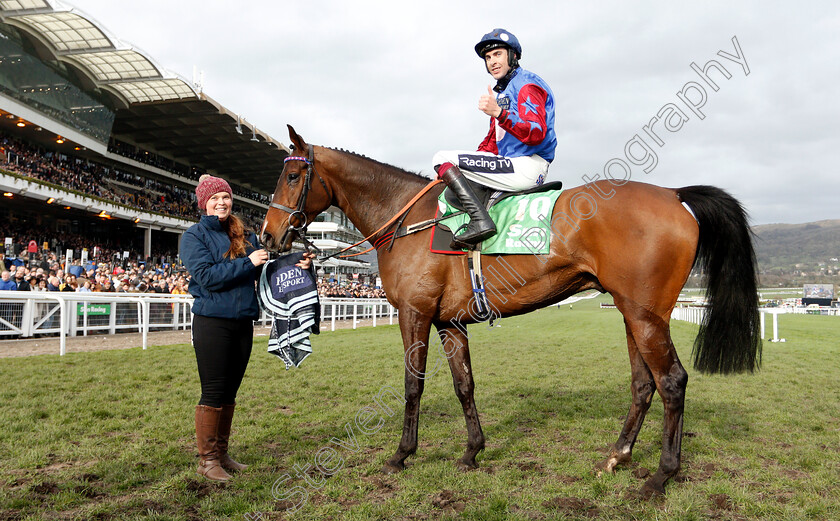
x=125 y=188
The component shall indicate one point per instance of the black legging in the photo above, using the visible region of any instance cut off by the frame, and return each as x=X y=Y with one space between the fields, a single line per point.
x=222 y=349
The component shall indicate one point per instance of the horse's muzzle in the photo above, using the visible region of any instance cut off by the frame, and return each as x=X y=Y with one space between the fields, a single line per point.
x=275 y=244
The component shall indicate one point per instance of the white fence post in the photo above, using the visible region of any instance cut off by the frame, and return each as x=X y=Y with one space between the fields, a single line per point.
x=762 y=324
x=776 y=328
x=57 y=312
x=694 y=315
x=62 y=317
x=72 y=316
x=112 y=319
x=26 y=318
x=85 y=307
x=144 y=326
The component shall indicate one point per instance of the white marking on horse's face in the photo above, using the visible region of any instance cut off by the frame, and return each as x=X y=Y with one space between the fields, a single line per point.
x=466 y=369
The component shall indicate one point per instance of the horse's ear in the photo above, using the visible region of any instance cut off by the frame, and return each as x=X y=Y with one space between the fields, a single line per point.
x=297 y=141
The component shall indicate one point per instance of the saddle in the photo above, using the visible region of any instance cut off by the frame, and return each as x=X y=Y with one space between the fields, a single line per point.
x=489 y=197
x=442 y=234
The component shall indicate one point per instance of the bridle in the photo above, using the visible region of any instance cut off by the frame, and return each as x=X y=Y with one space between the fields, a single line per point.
x=299 y=213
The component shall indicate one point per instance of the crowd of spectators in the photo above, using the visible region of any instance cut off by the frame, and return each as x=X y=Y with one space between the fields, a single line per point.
x=150 y=158
x=327 y=289
x=108 y=246
x=50 y=272
x=112 y=184
x=115 y=264
x=87 y=177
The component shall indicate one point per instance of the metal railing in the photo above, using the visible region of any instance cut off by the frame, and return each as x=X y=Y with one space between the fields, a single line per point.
x=695 y=315
x=34 y=313
x=689 y=314
x=31 y=313
x=356 y=309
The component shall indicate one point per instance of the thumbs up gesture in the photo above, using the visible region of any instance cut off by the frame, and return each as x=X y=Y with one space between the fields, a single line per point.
x=487 y=104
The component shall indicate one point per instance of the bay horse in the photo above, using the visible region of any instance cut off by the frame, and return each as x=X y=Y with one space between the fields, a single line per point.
x=636 y=241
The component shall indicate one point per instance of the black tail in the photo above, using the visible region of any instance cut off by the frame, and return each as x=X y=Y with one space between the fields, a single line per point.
x=729 y=340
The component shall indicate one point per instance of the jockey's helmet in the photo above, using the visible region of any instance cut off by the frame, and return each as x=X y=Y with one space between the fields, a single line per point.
x=500 y=38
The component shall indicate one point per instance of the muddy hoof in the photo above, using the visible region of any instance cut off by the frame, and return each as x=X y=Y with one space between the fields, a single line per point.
x=393 y=468
x=607 y=466
x=604 y=467
x=466 y=465
x=651 y=489
x=614 y=460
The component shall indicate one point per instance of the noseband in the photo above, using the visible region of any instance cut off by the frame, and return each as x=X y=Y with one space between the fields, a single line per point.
x=299 y=212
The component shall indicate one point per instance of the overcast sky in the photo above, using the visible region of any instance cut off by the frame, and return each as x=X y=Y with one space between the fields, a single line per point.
x=397 y=81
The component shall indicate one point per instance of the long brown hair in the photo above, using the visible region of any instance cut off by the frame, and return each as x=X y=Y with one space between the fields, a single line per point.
x=236 y=232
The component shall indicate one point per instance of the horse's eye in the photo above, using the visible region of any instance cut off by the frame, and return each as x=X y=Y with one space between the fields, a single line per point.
x=293 y=176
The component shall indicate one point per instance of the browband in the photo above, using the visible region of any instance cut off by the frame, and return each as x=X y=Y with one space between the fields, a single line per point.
x=297 y=158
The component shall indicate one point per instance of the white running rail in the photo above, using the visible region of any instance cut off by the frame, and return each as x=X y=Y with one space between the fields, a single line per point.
x=27 y=314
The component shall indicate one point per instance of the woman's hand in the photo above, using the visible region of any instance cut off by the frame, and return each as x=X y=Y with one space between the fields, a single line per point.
x=306 y=261
x=258 y=257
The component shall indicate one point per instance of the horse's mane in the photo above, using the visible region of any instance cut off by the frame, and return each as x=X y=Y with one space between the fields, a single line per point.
x=381 y=164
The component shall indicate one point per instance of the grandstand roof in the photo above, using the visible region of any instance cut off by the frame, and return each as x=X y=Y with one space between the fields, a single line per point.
x=202 y=132
x=155 y=109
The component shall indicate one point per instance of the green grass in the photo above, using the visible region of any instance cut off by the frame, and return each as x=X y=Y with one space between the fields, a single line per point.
x=109 y=435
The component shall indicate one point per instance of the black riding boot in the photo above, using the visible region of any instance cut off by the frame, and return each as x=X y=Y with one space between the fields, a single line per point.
x=481 y=226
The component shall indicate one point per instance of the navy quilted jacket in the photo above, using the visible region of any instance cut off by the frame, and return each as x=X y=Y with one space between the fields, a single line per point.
x=222 y=287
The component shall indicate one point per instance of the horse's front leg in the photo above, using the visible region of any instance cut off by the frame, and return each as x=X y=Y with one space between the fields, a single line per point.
x=415 y=333
x=457 y=351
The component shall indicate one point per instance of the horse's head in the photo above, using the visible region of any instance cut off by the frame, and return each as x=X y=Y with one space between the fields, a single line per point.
x=301 y=194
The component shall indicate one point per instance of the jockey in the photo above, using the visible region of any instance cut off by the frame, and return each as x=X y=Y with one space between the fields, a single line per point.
x=520 y=144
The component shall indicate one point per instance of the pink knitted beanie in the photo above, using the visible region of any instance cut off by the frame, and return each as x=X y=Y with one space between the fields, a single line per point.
x=209 y=185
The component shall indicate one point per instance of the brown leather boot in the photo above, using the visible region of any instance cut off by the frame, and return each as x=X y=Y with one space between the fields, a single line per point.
x=206 y=434
x=224 y=434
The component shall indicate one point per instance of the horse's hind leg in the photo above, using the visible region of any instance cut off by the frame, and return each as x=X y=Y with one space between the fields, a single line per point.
x=642 y=388
x=415 y=332
x=653 y=339
x=457 y=351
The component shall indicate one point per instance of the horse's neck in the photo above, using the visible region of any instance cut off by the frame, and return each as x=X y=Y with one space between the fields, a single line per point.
x=370 y=193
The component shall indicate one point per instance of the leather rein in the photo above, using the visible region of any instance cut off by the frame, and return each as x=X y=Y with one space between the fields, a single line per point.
x=299 y=213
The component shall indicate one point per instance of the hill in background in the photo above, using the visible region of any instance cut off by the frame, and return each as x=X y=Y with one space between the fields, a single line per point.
x=798 y=253
x=790 y=244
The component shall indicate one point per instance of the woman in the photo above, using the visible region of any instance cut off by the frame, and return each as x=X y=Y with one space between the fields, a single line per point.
x=223 y=260
x=41 y=308
x=69 y=283
x=178 y=287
